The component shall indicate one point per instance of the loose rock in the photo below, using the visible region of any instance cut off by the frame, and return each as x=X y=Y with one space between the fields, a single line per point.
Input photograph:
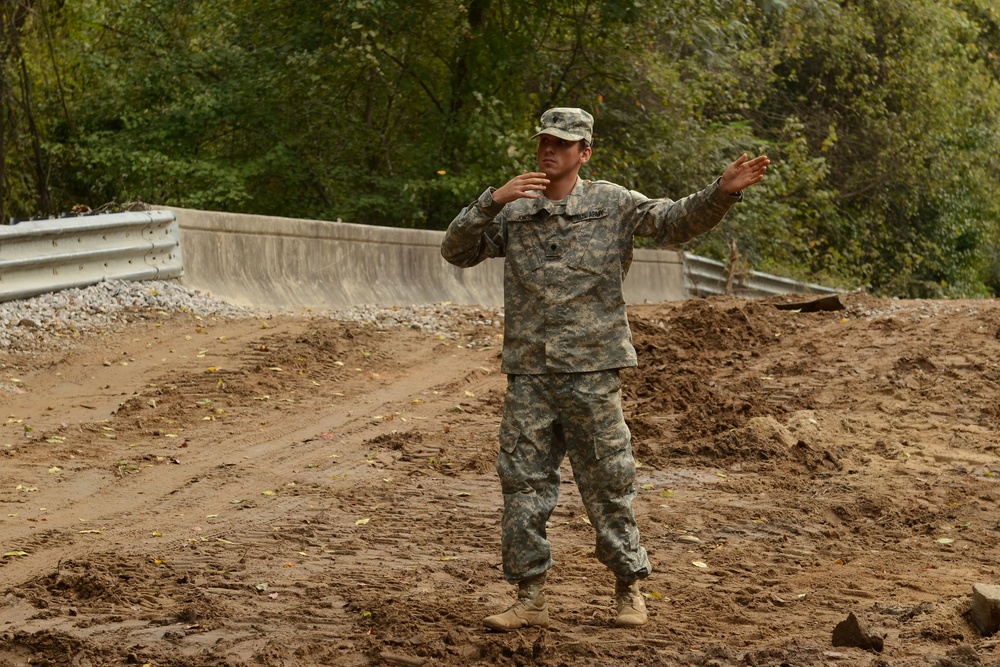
x=854 y=632
x=986 y=608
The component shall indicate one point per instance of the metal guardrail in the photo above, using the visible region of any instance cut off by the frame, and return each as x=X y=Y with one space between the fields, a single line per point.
x=41 y=256
x=708 y=277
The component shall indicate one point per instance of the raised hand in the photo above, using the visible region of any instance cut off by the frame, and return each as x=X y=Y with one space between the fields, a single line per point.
x=528 y=185
x=743 y=173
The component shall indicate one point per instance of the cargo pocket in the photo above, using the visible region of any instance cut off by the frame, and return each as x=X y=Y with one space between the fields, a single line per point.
x=509 y=470
x=613 y=458
x=611 y=440
x=509 y=435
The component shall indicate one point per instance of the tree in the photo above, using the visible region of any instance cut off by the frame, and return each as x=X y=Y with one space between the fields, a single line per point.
x=901 y=121
x=880 y=116
x=24 y=164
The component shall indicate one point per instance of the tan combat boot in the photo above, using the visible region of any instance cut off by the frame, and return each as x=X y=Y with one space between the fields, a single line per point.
x=631 y=606
x=529 y=610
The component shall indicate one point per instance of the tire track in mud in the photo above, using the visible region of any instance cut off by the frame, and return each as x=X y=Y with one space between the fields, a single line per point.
x=347 y=575
x=201 y=483
x=332 y=452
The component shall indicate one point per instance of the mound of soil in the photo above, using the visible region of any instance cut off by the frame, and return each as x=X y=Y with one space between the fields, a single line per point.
x=295 y=491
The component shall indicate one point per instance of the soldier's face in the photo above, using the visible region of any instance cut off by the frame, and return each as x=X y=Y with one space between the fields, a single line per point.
x=560 y=157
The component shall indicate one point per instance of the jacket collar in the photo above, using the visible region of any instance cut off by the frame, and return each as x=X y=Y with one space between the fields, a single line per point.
x=574 y=201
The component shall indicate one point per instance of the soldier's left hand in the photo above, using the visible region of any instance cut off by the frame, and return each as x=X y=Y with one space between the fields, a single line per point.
x=743 y=173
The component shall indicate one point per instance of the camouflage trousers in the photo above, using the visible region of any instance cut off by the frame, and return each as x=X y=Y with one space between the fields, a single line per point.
x=546 y=418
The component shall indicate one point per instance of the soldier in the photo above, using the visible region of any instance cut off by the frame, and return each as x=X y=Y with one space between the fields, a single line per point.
x=567 y=245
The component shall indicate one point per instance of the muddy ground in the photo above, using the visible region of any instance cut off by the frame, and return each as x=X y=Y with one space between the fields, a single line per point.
x=294 y=491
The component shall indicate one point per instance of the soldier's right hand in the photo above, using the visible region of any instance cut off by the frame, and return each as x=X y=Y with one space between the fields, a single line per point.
x=528 y=185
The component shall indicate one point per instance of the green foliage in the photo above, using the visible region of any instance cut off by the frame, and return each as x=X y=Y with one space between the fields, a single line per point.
x=894 y=99
x=880 y=117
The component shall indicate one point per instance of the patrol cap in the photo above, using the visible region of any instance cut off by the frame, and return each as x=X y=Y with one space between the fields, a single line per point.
x=567 y=123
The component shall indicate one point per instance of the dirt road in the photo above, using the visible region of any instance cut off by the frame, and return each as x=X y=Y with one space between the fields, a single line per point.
x=296 y=491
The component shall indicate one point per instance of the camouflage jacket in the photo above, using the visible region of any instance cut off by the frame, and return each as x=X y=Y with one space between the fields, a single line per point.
x=565 y=263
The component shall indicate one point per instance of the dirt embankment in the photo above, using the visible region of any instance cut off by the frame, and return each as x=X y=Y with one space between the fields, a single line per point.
x=295 y=491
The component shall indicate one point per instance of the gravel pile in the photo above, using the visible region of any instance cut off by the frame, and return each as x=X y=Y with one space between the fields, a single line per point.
x=56 y=320
x=912 y=309
x=442 y=319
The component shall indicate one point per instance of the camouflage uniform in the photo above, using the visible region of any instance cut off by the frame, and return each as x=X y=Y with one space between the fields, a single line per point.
x=566 y=336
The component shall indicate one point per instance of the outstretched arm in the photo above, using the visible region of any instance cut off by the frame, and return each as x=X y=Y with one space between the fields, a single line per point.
x=743 y=173
x=669 y=221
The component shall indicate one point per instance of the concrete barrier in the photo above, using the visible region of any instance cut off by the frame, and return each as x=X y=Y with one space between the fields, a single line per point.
x=291 y=264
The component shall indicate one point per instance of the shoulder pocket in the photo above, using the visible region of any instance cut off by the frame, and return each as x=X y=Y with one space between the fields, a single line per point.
x=598 y=247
